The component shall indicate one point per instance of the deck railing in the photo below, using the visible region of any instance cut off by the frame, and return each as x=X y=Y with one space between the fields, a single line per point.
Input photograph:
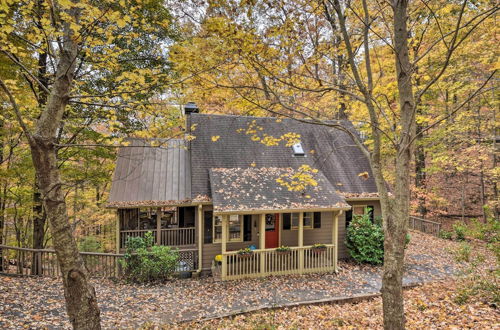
x=178 y=236
x=425 y=226
x=38 y=262
x=168 y=237
x=299 y=260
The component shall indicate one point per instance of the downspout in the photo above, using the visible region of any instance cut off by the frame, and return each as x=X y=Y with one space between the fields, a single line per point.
x=200 y=238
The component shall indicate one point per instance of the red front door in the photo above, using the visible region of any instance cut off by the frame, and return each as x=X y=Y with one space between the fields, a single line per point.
x=272 y=230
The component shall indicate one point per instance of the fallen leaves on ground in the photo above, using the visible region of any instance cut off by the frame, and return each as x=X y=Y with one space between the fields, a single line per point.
x=39 y=302
x=430 y=306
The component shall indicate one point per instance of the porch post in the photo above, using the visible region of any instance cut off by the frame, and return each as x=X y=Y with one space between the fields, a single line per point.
x=335 y=237
x=223 y=246
x=301 y=241
x=262 y=242
x=118 y=231
x=200 y=224
x=158 y=227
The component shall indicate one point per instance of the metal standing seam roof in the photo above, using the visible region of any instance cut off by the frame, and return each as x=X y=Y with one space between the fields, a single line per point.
x=151 y=176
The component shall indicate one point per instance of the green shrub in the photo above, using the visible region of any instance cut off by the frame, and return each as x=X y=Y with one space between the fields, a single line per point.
x=463 y=253
x=365 y=241
x=407 y=240
x=488 y=232
x=145 y=262
x=460 y=230
x=90 y=244
x=446 y=234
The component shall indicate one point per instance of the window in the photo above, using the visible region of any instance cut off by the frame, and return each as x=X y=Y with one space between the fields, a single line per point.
x=358 y=209
x=235 y=228
x=217 y=229
x=362 y=210
x=308 y=220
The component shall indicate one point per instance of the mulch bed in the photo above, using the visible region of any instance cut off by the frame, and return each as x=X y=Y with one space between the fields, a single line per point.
x=39 y=302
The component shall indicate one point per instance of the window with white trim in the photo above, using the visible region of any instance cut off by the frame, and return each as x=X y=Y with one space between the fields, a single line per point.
x=308 y=220
x=217 y=228
x=234 y=228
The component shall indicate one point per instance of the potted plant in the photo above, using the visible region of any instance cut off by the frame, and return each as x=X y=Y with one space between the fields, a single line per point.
x=283 y=250
x=245 y=253
x=216 y=266
x=318 y=248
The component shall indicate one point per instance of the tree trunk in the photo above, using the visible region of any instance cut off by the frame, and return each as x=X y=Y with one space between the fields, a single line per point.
x=39 y=216
x=2 y=196
x=81 y=302
x=396 y=219
x=420 y=175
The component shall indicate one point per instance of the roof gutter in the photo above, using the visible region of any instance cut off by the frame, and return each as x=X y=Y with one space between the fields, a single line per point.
x=282 y=210
x=354 y=199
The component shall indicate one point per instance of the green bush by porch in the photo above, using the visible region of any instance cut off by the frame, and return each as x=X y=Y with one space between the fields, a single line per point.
x=365 y=240
x=145 y=262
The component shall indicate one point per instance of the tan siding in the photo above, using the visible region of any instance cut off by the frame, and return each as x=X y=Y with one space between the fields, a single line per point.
x=311 y=236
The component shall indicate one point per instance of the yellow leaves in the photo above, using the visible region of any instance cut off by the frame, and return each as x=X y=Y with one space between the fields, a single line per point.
x=215 y=138
x=364 y=175
x=299 y=180
x=255 y=138
x=270 y=141
x=253 y=164
x=121 y=23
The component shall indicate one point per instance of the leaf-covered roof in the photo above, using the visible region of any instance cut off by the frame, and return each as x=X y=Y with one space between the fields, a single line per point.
x=253 y=189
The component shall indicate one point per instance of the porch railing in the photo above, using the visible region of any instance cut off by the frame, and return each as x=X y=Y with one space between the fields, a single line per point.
x=38 y=262
x=168 y=237
x=425 y=226
x=299 y=260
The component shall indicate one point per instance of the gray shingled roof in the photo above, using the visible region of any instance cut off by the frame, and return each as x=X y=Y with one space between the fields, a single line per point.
x=253 y=189
x=179 y=172
x=151 y=176
x=329 y=150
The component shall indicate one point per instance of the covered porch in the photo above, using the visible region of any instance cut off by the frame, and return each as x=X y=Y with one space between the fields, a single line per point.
x=264 y=261
x=170 y=226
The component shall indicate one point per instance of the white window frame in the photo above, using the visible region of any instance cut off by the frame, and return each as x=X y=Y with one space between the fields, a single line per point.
x=229 y=239
x=237 y=218
x=292 y=227
x=214 y=237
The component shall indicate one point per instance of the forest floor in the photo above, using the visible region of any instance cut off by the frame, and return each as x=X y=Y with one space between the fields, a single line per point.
x=39 y=302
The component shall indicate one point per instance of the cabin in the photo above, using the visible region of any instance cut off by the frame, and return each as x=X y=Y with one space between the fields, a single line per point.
x=238 y=182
